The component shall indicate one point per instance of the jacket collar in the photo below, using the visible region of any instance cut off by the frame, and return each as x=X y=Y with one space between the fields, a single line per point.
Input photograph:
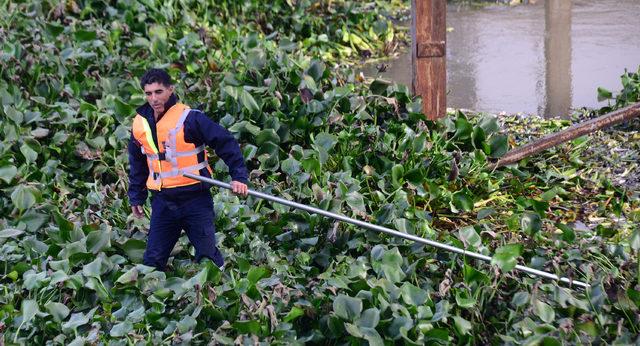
x=147 y=111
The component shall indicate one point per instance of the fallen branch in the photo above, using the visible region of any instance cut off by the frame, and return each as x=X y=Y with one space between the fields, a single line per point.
x=575 y=131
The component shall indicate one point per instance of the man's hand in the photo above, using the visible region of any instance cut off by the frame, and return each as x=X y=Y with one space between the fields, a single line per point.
x=137 y=211
x=239 y=188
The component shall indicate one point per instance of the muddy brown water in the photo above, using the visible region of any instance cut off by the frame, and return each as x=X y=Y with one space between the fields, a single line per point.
x=545 y=58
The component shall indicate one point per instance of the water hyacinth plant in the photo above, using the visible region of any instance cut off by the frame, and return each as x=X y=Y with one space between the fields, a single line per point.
x=313 y=131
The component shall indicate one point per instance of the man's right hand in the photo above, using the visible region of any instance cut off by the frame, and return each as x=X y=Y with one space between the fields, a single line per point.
x=137 y=211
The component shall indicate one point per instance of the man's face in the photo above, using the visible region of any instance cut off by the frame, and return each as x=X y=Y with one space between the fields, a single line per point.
x=157 y=95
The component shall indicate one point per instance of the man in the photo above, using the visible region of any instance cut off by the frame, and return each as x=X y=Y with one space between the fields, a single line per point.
x=168 y=139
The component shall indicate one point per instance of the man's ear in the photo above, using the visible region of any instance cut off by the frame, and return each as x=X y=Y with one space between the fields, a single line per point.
x=171 y=88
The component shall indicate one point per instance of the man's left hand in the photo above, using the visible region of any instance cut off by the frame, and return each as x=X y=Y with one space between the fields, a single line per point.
x=239 y=188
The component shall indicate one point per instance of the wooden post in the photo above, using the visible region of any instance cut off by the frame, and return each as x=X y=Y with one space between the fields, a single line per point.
x=557 y=53
x=428 y=29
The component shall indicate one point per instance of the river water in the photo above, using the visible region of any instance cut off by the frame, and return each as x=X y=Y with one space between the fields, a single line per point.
x=545 y=58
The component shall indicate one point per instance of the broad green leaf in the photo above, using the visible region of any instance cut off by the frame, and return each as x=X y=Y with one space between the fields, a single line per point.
x=121 y=329
x=7 y=173
x=506 y=256
x=530 y=223
x=98 y=240
x=489 y=124
x=59 y=311
x=544 y=311
x=498 y=145
x=85 y=35
x=461 y=200
x=462 y=326
x=468 y=235
x=369 y=318
x=397 y=173
x=293 y=314
x=463 y=128
x=29 y=154
x=464 y=300
x=635 y=241
x=248 y=101
x=267 y=135
x=10 y=233
x=257 y=273
x=13 y=114
x=93 y=269
x=129 y=276
x=356 y=201
x=134 y=249
x=325 y=141
x=23 y=197
x=247 y=327
x=413 y=295
x=346 y=307
x=290 y=166
x=316 y=70
x=29 y=310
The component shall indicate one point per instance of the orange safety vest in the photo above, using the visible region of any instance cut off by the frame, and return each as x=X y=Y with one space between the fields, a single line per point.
x=174 y=156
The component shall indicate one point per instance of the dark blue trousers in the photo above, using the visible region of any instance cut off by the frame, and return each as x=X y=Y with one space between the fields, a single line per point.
x=168 y=219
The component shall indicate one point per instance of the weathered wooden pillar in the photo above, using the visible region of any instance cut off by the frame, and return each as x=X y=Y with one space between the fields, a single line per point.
x=428 y=29
x=557 y=53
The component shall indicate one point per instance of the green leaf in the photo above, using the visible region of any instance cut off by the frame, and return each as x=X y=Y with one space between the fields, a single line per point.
x=325 y=141
x=379 y=87
x=544 y=311
x=23 y=197
x=257 y=273
x=346 y=307
x=391 y=265
x=463 y=128
x=462 y=326
x=369 y=319
x=604 y=94
x=7 y=173
x=499 y=145
x=29 y=310
x=464 y=300
x=10 y=233
x=267 y=135
x=134 y=249
x=85 y=35
x=293 y=314
x=290 y=166
x=248 y=101
x=316 y=70
x=413 y=295
x=461 y=200
x=93 y=269
x=29 y=154
x=489 y=124
x=506 y=256
x=98 y=240
x=635 y=240
x=13 y=114
x=121 y=329
x=397 y=173
x=356 y=201
x=469 y=236
x=247 y=327
x=530 y=223
x=59 y=311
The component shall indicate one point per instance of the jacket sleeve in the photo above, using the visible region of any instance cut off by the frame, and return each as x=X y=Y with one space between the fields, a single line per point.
x=138 y=173
x=198 y=128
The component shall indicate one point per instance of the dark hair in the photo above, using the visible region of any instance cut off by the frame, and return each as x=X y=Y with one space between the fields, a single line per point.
x=155 y=75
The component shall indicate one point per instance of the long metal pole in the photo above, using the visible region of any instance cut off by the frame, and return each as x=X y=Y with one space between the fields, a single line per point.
x=386 y=230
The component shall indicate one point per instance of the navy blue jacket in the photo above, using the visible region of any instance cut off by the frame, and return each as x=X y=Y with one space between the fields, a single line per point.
x=198 y=129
